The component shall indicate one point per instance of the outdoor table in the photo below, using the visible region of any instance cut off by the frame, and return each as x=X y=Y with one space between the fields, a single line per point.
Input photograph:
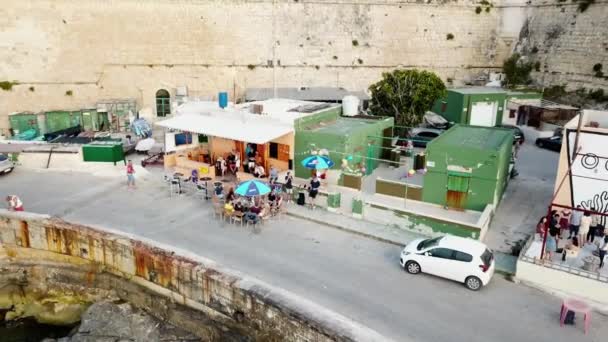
x=578 y=306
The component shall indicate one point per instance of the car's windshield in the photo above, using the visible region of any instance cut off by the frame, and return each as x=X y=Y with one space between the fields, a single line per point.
x=3 y=157
x=428 y=243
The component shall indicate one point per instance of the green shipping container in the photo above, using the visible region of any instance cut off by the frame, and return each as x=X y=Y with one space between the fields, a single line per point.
x=103 y=151
x=22 y=122
x=467 y=167
x=60 y=120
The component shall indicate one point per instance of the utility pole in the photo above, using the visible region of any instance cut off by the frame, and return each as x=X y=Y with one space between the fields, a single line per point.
x=274 y=50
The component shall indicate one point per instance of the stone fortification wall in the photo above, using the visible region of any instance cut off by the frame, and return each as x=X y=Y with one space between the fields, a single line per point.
x=221 y=304
x=130 y=49
x=567 y=43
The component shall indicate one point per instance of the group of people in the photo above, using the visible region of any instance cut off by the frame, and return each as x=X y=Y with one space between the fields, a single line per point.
x=581 y=226
x=252 y=209
x=232 y=164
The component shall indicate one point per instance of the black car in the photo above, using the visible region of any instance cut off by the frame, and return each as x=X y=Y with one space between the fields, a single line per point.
x=422 y=136
x=518 y=135
x=553 y=143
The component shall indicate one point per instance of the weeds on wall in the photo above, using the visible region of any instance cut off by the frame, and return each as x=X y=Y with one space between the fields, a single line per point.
x=250 y=66
x=537 y=66
x=478 y=9
x=359 y=60
x=7 y=85
x=517 y=72
x=584 y=5
x=355 y=42
x=534 y=50
x=449 y=36
x=32 y=89
x=597 y=68
x=69 y=93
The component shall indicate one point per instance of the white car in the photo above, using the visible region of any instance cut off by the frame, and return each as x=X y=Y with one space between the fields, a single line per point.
x=460 y=259
x=6 y=165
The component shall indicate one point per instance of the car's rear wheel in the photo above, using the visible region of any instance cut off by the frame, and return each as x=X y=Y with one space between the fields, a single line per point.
x=412 y=267
x=539 y=143
x=473 y=283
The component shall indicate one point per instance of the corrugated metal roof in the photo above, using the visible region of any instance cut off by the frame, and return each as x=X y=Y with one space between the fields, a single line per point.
x=304 y=93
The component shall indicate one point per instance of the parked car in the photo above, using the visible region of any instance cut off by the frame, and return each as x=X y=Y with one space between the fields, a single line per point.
x=553 y=143
x=6 y=165
x=464 y=260
x=421 y=136
x=518 y=135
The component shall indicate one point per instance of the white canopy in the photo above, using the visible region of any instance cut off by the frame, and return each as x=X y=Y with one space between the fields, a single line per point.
x=233 y=127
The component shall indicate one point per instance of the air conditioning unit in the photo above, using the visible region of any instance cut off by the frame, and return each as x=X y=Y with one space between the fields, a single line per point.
x=181 y=91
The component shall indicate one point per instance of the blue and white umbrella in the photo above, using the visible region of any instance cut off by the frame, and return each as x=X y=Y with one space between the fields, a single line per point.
x=252 y=188
x=317 y=162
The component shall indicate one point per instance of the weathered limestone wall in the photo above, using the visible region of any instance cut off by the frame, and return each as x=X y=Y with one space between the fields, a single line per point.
x=153 y=276
x=131 y=48
x=567 y=43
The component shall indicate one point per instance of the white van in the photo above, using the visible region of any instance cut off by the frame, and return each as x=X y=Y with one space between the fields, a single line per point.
x=464 y=260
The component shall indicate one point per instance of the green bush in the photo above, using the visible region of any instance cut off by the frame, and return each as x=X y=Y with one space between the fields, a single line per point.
x=516 y=72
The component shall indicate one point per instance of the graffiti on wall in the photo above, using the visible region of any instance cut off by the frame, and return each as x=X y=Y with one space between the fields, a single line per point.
x=589 y=172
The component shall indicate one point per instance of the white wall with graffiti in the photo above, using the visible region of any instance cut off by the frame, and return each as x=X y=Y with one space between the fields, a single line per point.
x=589 y=170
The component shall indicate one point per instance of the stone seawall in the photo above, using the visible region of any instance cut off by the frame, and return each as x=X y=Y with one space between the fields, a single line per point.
x=191 y=292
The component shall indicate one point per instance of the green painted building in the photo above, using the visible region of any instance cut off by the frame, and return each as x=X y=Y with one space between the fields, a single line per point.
x=479 y=106
x=468 y=167
x=355 y=139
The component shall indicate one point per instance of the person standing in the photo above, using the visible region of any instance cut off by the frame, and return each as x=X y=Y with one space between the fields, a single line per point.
x=274 y=175
x=130 y=175
x=595 y=221
x=603 y=249
x=289 y=186
x=14 y=203
x=584 y=229
x=575 y=222
x=550 y=246
x=315 y=184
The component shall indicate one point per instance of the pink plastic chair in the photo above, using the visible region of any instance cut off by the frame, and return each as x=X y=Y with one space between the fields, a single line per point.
x=578 y=306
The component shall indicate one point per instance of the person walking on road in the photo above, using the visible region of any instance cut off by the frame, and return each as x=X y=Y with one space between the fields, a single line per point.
x=130 y=175
x=14 y=203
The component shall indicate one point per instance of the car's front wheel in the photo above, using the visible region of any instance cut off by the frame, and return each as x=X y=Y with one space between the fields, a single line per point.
x=412 y=267
x=473 y=283
x=539 y=144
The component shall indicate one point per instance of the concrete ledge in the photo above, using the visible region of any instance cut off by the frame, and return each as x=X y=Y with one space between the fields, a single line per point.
x=190 y=279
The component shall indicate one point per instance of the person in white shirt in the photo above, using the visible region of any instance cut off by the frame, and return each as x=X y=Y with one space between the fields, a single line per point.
x=14 y=203
x=584 y=230
x=259 y=171
x=603 y=250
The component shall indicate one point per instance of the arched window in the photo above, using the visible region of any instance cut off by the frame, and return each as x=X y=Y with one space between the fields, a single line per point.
x=163 y=103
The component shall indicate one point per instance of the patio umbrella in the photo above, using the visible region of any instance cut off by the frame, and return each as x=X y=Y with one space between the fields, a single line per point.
x=317 y=162
x=252 y=188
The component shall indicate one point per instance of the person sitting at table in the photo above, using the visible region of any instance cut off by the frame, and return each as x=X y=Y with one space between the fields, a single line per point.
x=259 y=171
x=274 y=175
x=228 y=208
x=255 y=208
x=272 y=197
x=250 y=164
x=219 y=190
x=238 y=206
x=230 y=196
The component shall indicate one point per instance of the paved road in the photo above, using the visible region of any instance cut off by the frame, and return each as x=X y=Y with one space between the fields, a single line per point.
x=352 y=275
x=525 y=199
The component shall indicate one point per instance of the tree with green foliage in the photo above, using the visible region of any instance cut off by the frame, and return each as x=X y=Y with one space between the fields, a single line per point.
x=406 y=95
x=516 y=71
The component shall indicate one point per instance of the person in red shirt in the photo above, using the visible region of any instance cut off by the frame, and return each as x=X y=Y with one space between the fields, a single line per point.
x=130 y=175
x=14 y=203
